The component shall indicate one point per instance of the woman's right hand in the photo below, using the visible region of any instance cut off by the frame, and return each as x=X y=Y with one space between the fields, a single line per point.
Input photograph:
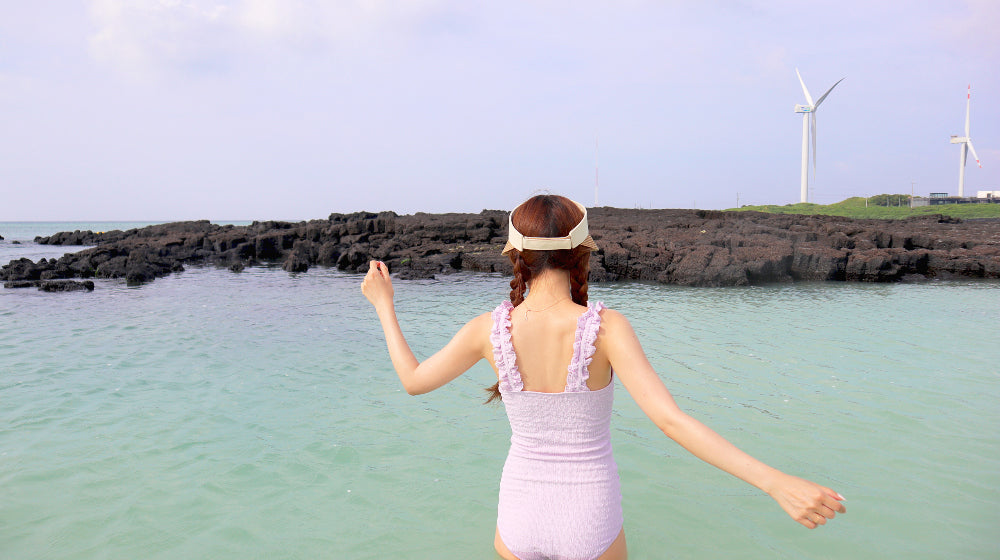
x=377 y=286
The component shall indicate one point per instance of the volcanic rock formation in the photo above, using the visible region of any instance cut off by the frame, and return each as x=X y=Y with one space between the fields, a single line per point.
x=685 y=247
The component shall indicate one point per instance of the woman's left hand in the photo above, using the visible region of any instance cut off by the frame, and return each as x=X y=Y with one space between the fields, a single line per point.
x=807 y=502
x=377 y=286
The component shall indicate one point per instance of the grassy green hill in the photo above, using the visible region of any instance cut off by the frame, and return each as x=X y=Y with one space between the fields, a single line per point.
x=855 y=208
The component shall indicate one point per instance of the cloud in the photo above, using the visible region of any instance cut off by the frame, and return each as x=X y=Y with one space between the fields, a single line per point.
x=149 y=37
x=143 y=38
x=328 y=21
x=974 y=29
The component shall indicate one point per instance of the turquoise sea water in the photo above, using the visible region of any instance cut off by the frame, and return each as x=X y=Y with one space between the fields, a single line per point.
x=213 y=414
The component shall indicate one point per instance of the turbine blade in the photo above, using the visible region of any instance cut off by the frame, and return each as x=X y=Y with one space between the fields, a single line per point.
x=968 y=101
x=828 y=91
x=965 y=153
x=973 y=150
x=809 y=98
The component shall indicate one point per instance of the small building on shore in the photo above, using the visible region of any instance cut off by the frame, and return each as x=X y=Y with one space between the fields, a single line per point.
x=982 y=197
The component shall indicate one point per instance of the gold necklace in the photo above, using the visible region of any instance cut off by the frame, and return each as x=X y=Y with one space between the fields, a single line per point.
x=526 y=310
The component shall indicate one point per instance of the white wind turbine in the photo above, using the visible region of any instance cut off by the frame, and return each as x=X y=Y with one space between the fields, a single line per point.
x=809 y=122
x=966 y=143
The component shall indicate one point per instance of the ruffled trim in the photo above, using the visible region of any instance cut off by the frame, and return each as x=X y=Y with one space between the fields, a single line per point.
x=503 y=349
x=587 y=328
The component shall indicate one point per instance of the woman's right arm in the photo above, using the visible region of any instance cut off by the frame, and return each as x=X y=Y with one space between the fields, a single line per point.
x=806 y=502
x=469 y=345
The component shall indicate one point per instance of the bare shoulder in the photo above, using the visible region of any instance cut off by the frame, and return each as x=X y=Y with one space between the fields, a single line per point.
x=613 y=322
x=475 y=336
x=622 y=342
x=478 y=329
x=481 y=322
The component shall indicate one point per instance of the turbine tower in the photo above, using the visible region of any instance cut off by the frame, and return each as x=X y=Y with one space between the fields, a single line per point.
x=809 y=123
x=966 y=143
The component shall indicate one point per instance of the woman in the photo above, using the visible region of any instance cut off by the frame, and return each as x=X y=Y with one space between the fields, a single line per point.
x=555 y=355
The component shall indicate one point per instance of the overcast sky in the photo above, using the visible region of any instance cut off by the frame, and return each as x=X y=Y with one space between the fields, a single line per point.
x=293 y=109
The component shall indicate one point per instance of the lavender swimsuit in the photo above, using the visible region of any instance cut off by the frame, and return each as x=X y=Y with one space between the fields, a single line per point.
x=559 y=494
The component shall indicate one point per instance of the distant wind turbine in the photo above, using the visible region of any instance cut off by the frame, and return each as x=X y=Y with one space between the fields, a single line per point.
x=966 y=143
x=809 y=122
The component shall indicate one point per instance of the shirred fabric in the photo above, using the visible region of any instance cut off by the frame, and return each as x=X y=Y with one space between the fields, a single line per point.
x=560 y=496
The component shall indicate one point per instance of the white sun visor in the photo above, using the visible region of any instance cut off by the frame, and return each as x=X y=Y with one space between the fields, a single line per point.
x=579 y=235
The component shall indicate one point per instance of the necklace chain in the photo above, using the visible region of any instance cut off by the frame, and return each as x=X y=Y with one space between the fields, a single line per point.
x=526 y=310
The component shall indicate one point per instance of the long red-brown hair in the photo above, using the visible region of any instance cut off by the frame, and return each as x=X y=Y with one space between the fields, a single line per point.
x=546 y=215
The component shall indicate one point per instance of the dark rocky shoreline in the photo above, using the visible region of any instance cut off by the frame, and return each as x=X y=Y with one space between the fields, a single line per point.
x=684 y=247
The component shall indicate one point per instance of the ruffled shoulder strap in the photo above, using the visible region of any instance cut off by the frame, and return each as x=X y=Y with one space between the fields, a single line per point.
x=587 y=327
x=503 y=349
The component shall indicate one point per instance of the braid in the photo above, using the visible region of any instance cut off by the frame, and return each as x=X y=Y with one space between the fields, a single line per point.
x=519 y=284
x=494 y=391
x=578 y=280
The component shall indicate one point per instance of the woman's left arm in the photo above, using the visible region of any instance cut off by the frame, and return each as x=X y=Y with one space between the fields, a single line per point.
x=804 y=501
x=467 y=347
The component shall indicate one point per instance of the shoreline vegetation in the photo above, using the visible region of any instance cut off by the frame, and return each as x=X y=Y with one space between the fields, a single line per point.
x=879 y=207
x=682 y=247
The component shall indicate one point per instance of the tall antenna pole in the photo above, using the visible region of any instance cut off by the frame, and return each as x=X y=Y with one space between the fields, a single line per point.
x=597 y=178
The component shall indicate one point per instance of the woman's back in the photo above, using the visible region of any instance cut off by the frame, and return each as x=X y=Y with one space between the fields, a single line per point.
x=545 y=342
x=559 y=493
